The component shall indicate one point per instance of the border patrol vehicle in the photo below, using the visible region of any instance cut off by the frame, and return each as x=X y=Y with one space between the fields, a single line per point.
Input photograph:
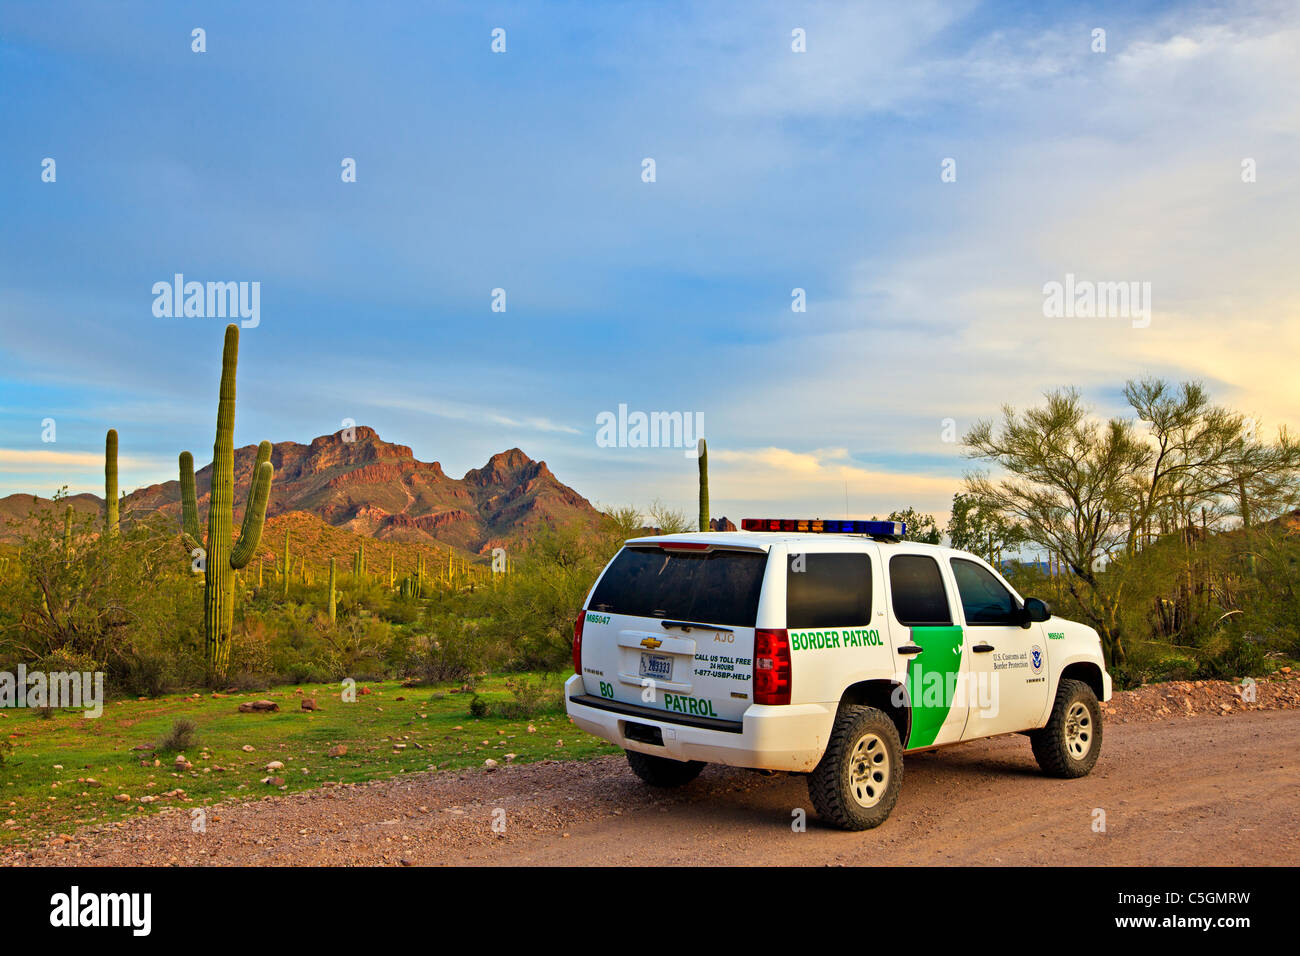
x=830 y=648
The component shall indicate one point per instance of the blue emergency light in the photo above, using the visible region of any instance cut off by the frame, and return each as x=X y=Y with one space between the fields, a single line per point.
x=877 y=529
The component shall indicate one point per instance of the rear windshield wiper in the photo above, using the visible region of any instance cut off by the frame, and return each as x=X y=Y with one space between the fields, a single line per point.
x=687 y=625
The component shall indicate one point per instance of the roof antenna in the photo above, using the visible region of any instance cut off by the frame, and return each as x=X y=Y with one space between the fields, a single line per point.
x=846 y=499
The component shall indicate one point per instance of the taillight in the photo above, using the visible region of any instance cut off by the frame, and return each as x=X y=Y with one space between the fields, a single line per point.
x=771 y=666
x=577 y=643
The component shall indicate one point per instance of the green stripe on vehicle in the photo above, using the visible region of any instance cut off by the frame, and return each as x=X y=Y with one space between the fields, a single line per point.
x=932 y=681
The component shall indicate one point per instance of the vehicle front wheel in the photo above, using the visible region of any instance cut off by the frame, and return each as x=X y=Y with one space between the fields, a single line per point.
x=856 y=784
x=661 y=771
x=1071 y=742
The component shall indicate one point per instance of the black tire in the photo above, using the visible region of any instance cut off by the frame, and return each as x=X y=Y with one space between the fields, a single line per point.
x=837 y=785
x=1057 y=746
x=661 y=771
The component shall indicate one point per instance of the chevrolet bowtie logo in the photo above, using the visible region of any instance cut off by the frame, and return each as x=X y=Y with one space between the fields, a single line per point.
x=651 y=642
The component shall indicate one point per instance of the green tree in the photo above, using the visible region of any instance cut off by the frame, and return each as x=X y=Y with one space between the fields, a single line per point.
x=621 y=523
x=921 y=527
x=1090 y=490
x=977 y=527
x=667 y=520
x=81 y=595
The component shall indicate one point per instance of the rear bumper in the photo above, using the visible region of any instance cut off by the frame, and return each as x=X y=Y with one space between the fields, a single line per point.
x=787 y=737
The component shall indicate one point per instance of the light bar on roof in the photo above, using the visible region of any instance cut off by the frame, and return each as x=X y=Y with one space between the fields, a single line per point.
x=892 y=529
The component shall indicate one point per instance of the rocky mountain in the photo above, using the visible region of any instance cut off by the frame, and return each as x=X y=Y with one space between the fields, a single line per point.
x=360 y=483
x=17 y=510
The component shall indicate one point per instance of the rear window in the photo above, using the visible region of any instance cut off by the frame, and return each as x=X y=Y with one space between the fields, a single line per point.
x=716 y=587
x=827 y=590
x=918 y=593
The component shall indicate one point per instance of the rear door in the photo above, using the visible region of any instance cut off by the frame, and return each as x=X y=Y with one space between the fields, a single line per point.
x=929 y=646
x=671 y=626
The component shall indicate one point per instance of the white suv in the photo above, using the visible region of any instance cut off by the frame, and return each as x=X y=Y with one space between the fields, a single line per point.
x=825 y=647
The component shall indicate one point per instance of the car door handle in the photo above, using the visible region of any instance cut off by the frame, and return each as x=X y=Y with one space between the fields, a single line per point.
x=910 y=649
x=982 y=648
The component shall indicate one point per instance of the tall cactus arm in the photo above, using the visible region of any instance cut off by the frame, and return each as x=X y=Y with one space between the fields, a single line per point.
x=222 y=496
x=110 y=481
x=250 y=515
x=189 y=504
x=255 y=514
x=704 y=485
x=333 y=598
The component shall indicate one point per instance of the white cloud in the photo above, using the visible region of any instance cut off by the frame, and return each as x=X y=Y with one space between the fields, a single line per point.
x=461 y=411
x=1100 y=173
x=43 y=460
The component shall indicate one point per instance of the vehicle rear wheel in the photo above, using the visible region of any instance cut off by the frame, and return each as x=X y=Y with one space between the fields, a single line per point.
x=661 y=771
x=856 y=784
x=1071 y=742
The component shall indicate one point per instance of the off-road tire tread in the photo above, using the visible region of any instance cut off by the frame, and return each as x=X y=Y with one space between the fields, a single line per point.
x=1048 y=743
x=826 y=785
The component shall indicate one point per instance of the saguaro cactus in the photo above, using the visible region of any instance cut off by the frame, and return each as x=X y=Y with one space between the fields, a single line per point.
x=704 y=486
x=110 y=482
x=359 y=563
x=284 y=565
x=333 y=600
x=67 y=535
x=221 y=559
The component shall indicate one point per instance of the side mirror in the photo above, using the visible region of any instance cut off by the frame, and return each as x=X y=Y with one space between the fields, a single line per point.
x=1035 y=611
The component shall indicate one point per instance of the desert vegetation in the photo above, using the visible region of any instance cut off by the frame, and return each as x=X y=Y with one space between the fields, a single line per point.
x=1171 y=532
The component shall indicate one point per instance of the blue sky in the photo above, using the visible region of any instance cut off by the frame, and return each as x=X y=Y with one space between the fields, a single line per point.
x=775 y=170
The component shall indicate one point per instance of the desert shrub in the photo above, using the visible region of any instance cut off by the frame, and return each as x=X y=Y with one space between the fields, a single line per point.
x=305 y=672
x=354 y=647
x=243 y=681
x=534 y=611
x=184 y=735
x=434 y=661
x=101 y=597
x=1152 y=661
x=1232 y=655
x=252 y=648
x=65 y=660
x=529 y=698
x=399 y=610
x=142 y=675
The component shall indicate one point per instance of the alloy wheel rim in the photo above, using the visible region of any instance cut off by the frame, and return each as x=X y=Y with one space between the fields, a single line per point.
x=1078 y=730
x=868 y=770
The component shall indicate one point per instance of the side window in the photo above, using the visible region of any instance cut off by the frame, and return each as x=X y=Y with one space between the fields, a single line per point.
x=827 y=590
x=917 y=590
x=983 y=598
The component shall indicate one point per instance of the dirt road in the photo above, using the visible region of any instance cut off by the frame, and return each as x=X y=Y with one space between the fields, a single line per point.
x=1197 y=790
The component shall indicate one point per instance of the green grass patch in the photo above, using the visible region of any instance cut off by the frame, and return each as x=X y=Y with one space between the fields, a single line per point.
x=45 y=779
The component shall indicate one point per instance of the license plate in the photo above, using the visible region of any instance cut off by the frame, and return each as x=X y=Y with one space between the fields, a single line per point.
x=658 y=666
